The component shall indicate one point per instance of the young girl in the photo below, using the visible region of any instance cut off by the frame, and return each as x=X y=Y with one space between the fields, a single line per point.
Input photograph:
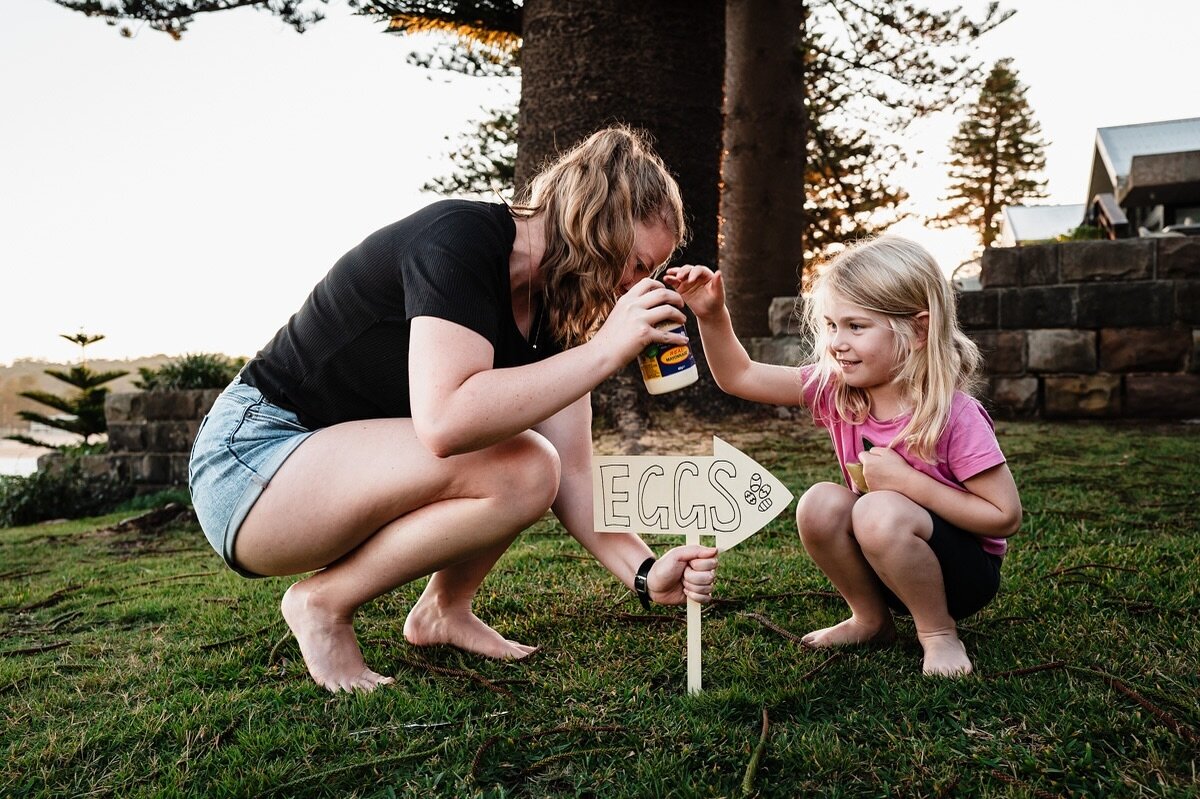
x=925 y=534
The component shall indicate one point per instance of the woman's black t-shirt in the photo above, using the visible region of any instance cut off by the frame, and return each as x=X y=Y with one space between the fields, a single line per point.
x=344 y=355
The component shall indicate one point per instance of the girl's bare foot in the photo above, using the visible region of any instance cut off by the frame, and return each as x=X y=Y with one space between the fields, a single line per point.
x=428 y=624
x=327 y=644
x=852 y=631
x=945 y=655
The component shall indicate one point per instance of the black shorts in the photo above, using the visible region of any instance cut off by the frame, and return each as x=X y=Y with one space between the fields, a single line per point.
x=971 y=576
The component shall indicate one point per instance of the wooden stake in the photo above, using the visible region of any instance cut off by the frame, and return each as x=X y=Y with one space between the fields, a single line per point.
x=693 y=634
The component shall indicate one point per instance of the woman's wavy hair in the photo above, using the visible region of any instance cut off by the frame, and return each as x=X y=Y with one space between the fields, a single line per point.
x=590 y=198
x=897 y=279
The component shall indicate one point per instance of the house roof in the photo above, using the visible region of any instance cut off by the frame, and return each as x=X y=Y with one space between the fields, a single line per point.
x=1022 y=223
x=1117 y=146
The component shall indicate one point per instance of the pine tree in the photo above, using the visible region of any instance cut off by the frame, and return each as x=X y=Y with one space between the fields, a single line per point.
x=485 y=161
x=85 y=410
x=849 y=189
x=995 y=155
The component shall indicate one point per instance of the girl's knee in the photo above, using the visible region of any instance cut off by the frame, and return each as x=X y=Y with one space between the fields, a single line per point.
x=884 y=519
x=824 y=511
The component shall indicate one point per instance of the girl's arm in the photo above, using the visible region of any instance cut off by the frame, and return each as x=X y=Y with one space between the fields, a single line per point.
x=730 y=364
x=989 y=507
x=461 y=404
x=683 y=572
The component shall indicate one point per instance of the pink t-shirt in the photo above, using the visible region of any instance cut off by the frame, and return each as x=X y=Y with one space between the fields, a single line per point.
x=968 y=445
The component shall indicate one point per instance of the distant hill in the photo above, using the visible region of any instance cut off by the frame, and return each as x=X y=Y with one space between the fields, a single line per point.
x=29 y=375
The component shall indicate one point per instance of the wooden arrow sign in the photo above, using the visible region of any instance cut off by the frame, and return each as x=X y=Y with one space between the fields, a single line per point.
x=727 y=496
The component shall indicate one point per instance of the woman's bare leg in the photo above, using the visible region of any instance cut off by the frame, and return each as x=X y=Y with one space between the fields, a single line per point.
x=443 y=613
x=823 y=516
x=367 y=504
x=894 y=532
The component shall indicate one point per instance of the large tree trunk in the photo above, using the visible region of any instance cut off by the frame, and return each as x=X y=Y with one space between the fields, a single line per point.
x=652 y=65
x=762 y=200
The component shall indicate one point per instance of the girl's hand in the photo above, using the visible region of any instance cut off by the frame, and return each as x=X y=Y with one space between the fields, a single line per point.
x=884 y=469
x=686 y=572
x=701 y=288
x=631 y=325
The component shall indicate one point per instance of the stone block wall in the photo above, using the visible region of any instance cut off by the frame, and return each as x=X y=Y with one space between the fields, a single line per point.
x=150 y=435
x=789 y=341
x=1090 y=329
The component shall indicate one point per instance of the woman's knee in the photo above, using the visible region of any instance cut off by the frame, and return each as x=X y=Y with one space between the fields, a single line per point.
x=528 y=468
x=824 y=511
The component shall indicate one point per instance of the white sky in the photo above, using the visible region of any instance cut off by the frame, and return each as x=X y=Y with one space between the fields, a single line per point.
x=185 y=196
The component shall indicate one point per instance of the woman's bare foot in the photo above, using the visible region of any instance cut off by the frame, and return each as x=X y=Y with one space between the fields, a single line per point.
x=945 y=655
x=852 y=631
x=428 y=624
x=327 y=644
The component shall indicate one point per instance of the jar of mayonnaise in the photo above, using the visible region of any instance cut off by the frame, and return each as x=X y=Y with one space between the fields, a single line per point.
x=667 y=367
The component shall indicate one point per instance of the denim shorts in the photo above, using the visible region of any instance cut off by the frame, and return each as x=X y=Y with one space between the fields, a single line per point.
x=239 y=447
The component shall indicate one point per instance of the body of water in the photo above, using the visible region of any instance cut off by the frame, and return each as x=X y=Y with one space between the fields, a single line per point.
x=17 y=458
x=18 y=466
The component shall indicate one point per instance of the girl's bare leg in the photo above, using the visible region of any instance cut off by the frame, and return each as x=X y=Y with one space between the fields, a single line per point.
x=823 y=517
x=893 y=532
x=370 y=507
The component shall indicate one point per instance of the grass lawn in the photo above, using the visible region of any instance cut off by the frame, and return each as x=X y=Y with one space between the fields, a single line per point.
x=133 y=663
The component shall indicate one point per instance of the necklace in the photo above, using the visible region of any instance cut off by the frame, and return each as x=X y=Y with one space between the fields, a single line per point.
x=534 y=328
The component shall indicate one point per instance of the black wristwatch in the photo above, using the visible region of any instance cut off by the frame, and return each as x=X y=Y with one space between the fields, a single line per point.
x=639 y=583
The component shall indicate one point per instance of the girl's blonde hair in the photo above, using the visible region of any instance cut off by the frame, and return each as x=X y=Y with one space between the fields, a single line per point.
x=897 y=279
x=591 y=198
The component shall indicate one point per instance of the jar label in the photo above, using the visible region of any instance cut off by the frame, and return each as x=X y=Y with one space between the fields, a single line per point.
x=664 y=360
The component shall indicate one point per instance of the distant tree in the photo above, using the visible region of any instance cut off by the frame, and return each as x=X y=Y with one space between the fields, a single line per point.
x=191 y=371
x=872 y=68
x=84 y=410
x=995 y=155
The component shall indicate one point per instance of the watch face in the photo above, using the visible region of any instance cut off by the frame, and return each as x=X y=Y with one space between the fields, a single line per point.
x=643 y=573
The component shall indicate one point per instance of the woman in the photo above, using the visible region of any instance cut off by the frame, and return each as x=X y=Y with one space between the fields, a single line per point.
x=430 y=400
